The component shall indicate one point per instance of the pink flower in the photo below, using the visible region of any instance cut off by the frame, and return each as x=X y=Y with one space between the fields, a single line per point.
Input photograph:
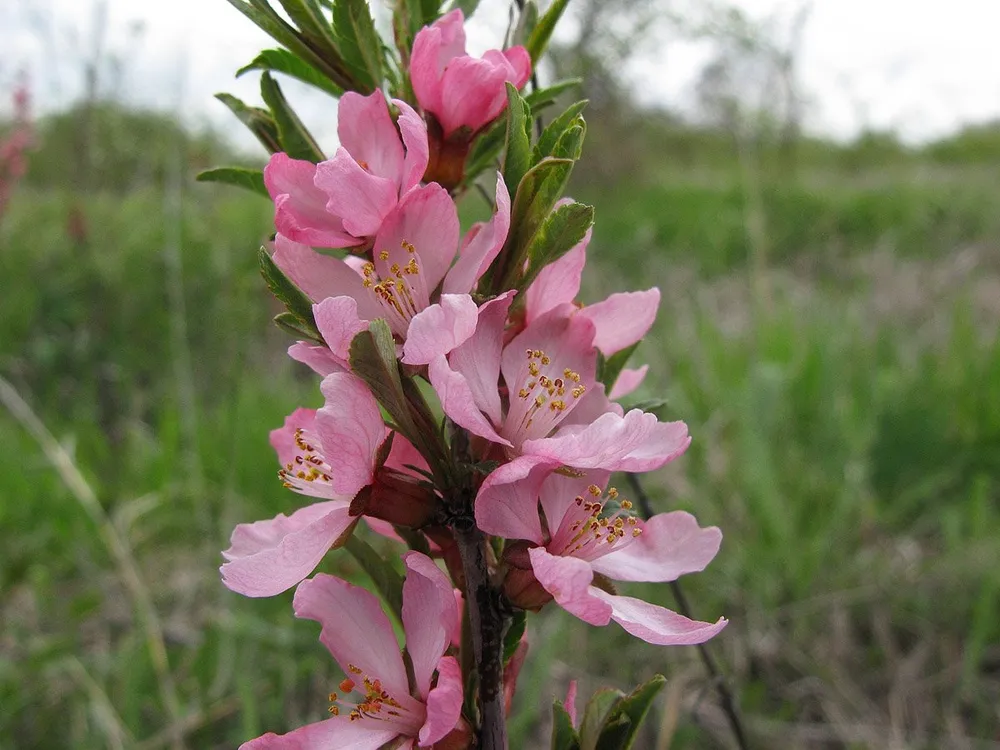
x=459 y=90
x=412 y=256
x=343 y=201
x=377 y=703
x=590 y=531
x=327 y=454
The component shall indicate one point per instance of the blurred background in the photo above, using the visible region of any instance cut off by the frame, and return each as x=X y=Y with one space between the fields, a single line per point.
x=813 y=186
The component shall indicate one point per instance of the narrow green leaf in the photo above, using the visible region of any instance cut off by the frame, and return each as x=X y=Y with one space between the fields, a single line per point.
x=542 y=32
x=526 y=23
x=616 y=734
x=570 y=143
x=291 y=324
x=296 y=141
x=555 y=130
x=359 y=43
x=518 y=156
x=468 y=7
x=250 y=179
x=595 y=714
x=564 y=736
x=283 y=61
x=308 y=16
x=373 y=359
x=512 y=638
x=559 y=233
x=538 y=100
x=258 y=121
x=388 y=582
x=632 y=709
x=610 y=368
x=294 y=299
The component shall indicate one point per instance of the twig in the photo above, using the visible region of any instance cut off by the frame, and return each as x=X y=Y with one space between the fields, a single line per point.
x=62 y=462
x=725 y=695
x=487 y=625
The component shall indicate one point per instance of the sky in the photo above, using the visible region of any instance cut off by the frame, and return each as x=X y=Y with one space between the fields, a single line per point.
x=920 y=67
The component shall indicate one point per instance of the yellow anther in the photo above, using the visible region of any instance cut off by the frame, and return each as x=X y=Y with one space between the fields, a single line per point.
x=594 y=490
x=383 y=254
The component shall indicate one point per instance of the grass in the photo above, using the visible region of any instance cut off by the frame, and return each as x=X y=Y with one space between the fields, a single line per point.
x=842 y=384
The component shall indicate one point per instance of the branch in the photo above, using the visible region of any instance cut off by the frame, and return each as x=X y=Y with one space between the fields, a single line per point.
x=725 y=695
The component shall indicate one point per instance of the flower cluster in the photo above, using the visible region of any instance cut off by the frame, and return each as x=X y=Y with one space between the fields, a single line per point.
x=14 y=147
x=533 y=429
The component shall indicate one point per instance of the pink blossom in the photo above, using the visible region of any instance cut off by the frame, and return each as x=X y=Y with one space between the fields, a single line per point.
x=342 y=202
x=328 y=454
x=377 y=703
x=592 y=531
x=459 y=90
x=413 y=255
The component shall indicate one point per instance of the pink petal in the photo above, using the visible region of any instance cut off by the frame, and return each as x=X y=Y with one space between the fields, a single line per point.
x=670 y=545
x=427 y=219
x=478 y=359
x=319 y=358
x=479 y=252
x=414 y=132
x=594 y=403
x=520 y=63
x=570 y=703
x=458 y=400
x=473 y=92
x=321 y=276
x=429 y=615
x=283 y=438
x=268 y=557
x=568 y=580
x=355 y=629
x=657 y=625
x=438 y=329
x=444 y=703
x=368 y=133
x=507 y=503
x=402 y=455
x=351 y=428
x=558 y=492
x=335 y=733
x=300 y=207
x=433 y=47
x=338 y=321
x=361 y=198
x=622 y=319
x=636 y=442
x=558 y=283
x=628 y=380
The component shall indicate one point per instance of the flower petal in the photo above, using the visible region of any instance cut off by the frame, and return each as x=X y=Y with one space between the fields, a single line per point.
x=473 y=92
x=568 y=580
x=520 y=64
x=458 y=401
x=622 y=319
x=670 y=545
x=657 y=625
x=355 y=629
x=507 y=503
x=268 y=557
x=433 y=47
x=338 y=321
x=368 y=133
x=414 y=132
x=559 y=491
x=318 y=358
x=361 y=198
x=429 y=616
x=439 y=328
x=283 y=438
x=558 y=283
x=444 y=702
x=335 y=733
x=627 y=381
x=300 y=211
x=482 y=248
x=351 y=429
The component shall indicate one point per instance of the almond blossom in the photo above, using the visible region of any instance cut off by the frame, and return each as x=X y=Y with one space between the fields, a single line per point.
x=377 y=702
x=591 y=531
x=343 y=201
x=462 y=91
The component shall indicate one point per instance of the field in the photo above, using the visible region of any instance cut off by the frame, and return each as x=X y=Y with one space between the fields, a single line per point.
x=829 y=334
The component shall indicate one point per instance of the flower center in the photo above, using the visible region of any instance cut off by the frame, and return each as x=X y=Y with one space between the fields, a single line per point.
x=364 y=697
x=544 y=398
x=308 y=471
x=595 y=525
x=399 y=287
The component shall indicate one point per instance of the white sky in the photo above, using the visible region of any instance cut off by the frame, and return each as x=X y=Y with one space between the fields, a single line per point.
x=921 y=67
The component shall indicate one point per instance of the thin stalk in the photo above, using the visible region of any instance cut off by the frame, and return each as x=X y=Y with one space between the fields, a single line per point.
x=729 y=704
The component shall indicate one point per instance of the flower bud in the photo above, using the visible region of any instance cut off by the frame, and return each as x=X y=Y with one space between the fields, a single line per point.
x=398 y=498
x=520 y=585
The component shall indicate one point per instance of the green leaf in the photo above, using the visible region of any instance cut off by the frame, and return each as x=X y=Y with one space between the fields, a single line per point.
x=308 y=16
x=541 y=98
x=258 y=121
x=632 y=709
x=564 y=736
x=485 y=150
x=291 y=324
x=295 y=139
x=359 y=43
x=556 y=129
x=542 y=32
x=559 y=233
x=294 y=299
x=388 y=582
x=373 y=359
x=468 y=7
x=526 y=23
x=250 y=179
x=594 y=715
x=512 y=638
x=283 y=61
x=609 y=369
x=518 y=157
